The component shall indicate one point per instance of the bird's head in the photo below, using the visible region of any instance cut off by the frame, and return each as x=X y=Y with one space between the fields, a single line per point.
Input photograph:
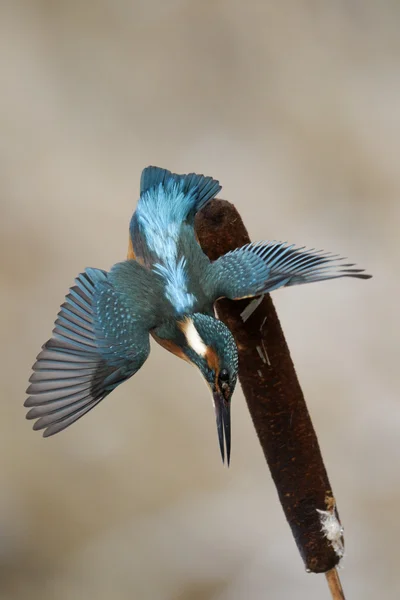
x=211 y=347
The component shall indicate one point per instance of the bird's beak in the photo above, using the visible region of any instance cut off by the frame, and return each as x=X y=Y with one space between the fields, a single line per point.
x=223 y=417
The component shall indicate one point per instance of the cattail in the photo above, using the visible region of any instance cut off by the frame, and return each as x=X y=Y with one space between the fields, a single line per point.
x=277 y=407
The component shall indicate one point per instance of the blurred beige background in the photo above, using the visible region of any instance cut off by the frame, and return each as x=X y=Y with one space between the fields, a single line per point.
x=294 y=107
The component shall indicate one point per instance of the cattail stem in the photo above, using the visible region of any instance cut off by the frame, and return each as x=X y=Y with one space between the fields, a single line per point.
x=335 y=586
x=277 y=407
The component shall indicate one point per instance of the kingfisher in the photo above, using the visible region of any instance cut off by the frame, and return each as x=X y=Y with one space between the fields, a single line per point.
x=167 y=288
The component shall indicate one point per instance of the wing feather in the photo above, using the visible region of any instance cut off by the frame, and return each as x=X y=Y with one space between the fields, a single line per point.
x=96 y=344
x=262 y=267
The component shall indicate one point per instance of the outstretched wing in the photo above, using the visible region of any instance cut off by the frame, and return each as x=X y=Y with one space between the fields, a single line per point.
x=262 y=267
x=97 y=343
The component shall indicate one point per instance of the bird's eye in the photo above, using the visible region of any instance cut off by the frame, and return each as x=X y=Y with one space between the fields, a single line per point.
x=224 y=375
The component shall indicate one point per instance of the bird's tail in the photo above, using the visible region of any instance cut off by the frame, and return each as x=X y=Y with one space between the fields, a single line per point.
x=186 y=194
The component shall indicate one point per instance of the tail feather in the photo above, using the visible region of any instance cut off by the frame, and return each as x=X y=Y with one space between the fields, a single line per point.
x=199 y=189
x=167 y=202
x=153 y=176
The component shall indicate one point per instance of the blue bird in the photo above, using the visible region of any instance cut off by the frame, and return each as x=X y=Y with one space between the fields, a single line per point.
x=166 y=288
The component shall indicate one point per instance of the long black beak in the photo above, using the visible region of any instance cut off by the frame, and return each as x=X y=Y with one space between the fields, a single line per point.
x=223 y=417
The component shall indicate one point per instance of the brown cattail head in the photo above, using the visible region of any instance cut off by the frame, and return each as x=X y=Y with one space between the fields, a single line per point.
x=276 y=403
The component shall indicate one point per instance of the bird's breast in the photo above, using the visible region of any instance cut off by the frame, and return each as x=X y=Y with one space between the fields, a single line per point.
x=170 y=346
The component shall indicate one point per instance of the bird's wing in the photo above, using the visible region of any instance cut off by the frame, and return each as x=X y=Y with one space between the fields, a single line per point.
x=262 y=267
x=99 y=341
